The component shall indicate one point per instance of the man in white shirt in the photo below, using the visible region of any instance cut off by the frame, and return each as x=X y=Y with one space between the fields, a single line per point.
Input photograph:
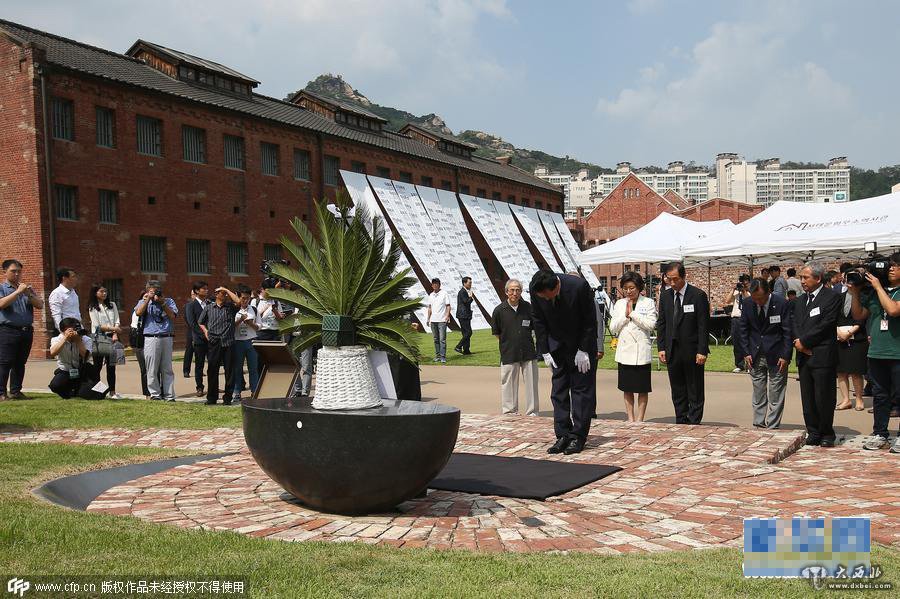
x=438 y=317
x=64 y=299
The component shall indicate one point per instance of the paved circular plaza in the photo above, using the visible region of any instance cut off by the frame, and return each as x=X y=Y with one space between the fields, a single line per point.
x=681 y=487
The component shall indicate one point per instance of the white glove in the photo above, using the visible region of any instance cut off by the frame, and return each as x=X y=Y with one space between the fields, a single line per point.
x=582 y=362
x=548 y=360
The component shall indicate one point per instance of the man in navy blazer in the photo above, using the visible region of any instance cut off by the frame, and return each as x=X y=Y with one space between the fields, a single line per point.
x=764 y=339
x=565 y=325
x=815 y=339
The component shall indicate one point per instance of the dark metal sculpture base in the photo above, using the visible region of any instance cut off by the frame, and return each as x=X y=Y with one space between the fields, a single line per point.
x=350 y=462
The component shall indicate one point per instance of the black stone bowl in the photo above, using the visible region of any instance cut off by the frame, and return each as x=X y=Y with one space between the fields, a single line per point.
x=350 y=462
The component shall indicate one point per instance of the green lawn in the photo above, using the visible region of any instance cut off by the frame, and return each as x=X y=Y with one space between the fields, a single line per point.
x=486 y=352
x=39 y=538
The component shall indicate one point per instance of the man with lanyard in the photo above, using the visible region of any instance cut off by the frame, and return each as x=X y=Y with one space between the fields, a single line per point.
x=158 y=313
x=17 y=303
x=881 y=306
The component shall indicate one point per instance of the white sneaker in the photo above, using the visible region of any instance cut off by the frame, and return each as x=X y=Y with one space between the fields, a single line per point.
x=876 y=442
x=895 y=448
x=736 y=370
x=116 y=396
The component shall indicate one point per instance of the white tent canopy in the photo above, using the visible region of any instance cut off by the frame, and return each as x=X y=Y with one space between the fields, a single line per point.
x=659 y=240
x=794 y=230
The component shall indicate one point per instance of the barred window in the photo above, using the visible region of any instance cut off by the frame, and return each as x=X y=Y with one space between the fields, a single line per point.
x=236 y=258
x=268 y=154
x=481 y=193
x=106 y=127
x=114 y=291
x=358 y=167
x=198 y=256
x=193 y=141
x=63 y=115
x=272 y=251
x=383 y=172
x=447 y=185
x=153 y=254
x=149 y=136
x=66 y=202
x=301 y=165
x=427 y=181
x=109 y=206
x=332 y=168
x=464 y=189
x=234 y=152
x=406 y=177
x=496 y=195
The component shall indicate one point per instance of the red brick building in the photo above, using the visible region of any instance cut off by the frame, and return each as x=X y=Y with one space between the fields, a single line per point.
x=158 y=164
x=631 y=205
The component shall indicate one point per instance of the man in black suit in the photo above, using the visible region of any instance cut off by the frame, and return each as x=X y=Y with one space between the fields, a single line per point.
x=464 y=299
x=765 y=342
x=565 y=324
x=814 y=325
x=682 y=339
x=198 y=341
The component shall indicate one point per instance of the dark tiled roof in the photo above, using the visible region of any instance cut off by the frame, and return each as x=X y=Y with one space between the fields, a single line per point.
x=345 y=106
x=439 y=135
x=116 y=67
x=192 y=60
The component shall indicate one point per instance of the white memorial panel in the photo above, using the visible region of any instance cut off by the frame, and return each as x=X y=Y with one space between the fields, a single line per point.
x=531 y=223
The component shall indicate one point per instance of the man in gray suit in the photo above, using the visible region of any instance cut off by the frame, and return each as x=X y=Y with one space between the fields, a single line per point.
x=765 y=341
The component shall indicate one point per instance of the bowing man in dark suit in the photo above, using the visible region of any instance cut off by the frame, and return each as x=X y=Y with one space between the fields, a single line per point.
x=565 y=325
x=815 y=322
x=765 y=342
x=682 y=339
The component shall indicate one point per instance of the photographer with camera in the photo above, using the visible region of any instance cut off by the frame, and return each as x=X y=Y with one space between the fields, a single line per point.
x=157 y=313
x=876 y=299
x=736 y=297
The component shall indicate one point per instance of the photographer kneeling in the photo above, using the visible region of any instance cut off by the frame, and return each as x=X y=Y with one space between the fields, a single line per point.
x=74 y=375
x=880 y=305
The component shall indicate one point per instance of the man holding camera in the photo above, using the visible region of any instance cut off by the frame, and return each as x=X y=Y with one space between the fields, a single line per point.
x=737 y=297
x=17 y=303
x=879 y=305
x=159 y=313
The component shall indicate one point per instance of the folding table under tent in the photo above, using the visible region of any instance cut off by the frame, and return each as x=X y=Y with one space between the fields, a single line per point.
x=796 y=231
x=660 y=240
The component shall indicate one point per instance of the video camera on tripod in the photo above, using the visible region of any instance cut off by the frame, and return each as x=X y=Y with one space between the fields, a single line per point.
x=876 y=265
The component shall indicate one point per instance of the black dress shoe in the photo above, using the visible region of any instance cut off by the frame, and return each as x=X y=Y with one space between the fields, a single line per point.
x=457 y=350
x=575 y=446
x=560 y=445
x=812 y=441
x=827 y=443
x=210 y=403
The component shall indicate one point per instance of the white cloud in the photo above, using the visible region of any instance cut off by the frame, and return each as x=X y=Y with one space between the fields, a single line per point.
x=745 y=86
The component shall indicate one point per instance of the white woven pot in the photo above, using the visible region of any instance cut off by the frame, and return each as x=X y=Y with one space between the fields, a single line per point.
x=345 y=379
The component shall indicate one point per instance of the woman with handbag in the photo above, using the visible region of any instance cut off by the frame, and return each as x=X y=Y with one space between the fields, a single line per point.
x=105 y=329
x=633 y=321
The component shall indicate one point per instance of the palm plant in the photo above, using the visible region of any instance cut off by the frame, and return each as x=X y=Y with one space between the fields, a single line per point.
x=343 y=271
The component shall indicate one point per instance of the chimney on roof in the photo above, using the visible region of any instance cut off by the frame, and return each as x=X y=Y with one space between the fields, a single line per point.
x=507 y=160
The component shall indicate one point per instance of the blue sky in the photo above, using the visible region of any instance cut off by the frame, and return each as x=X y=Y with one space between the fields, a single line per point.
x=641 y=80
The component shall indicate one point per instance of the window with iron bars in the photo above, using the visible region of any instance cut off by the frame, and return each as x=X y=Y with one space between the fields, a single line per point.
x=114 y=291
x=236 y=255
x=268 y=154
x=149 y=136
x=62 y=111
x=106 y=127
x=301 y=165
x=233 y=147
x=153 y=254
x=66 y=198
x=193 y=141
x=109 y=206
x=198 y=256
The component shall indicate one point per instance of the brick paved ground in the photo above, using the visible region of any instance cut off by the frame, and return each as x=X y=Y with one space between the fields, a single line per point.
x=682 y=487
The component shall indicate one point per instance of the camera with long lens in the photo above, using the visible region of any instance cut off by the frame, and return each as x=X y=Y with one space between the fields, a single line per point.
x=265 y=268
x=876 y=265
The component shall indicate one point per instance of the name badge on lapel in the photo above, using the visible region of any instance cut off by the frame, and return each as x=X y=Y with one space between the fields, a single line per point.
x=775 y=319
x=688 y=308
x=814 y=312
x=526 y=323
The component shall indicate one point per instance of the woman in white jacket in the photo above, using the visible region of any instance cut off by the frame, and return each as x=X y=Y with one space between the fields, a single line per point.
x=633 y=321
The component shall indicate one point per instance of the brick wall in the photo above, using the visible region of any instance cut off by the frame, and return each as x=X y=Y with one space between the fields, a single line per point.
x=22 y=191
x=190 y=201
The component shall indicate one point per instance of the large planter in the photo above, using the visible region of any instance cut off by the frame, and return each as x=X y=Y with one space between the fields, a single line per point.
x=350 y=462
x=345 y=379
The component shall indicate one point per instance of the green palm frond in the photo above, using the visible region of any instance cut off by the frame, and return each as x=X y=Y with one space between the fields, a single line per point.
x=343 y=270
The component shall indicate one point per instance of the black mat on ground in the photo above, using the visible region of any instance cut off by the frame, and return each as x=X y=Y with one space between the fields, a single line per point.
x=515 y=477
x=79 y=490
